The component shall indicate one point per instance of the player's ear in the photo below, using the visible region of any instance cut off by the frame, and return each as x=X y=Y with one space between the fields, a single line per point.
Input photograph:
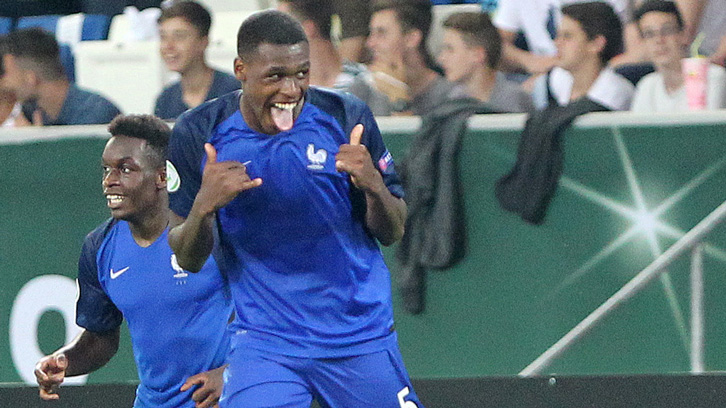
x=240 y=69
x=161 y=178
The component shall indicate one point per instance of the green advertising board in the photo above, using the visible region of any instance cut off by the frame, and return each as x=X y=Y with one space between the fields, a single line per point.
x=632 y=186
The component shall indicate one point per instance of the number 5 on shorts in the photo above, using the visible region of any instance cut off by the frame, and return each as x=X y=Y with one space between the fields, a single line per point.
x=402 y=402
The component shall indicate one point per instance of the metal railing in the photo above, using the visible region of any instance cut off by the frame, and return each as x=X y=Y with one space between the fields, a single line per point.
x=691 y=240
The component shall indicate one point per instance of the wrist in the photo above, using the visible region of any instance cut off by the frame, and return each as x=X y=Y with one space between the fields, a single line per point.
x=200 y=211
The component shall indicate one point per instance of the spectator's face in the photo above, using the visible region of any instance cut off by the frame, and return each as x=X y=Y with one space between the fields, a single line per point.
x=274 y=81
x=181 y=45
x=573 y=47
x=16 y=79
x=458 y=59
x=664 y=40
x=386 y=38
x=131 y=184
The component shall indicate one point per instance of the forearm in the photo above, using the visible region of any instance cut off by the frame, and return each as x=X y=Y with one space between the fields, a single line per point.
x=192 y=239
x=691 y=11
x=89 y=351
x=385 y=215
x=513 y=59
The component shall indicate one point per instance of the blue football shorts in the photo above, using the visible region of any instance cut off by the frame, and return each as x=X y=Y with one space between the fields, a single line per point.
x=257 y=379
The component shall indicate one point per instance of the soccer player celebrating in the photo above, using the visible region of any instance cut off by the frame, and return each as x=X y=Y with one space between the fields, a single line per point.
x=296 y=184
x=178 y=321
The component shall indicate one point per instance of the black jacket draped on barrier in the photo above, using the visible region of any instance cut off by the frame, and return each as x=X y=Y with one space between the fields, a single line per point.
x=531 y=184
x=435 y=235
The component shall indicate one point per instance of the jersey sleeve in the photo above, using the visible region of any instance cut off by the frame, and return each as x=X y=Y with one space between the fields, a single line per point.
x=95 y=311
x=185 y=157
x=382 y=158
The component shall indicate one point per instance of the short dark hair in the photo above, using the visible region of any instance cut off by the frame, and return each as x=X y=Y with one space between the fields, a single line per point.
x=193 y=12
x=320 y=12
x=271 y=27
x=477 y=30
x=599 y=18
x=412 y=15
x=150 y=128
x=37 y=50
x=662 y=6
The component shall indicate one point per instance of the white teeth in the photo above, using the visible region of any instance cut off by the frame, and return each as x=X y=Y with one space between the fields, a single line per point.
x=285 y=106
x=114 y=198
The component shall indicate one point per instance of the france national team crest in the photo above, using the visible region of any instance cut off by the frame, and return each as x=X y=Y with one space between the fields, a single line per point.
x=316 y=158
x=385 y=161
x=180 y=275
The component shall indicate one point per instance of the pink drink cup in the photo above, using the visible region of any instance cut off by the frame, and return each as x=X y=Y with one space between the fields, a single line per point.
x=695 y=75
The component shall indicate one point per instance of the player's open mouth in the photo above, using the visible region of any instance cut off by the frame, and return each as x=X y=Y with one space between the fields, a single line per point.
x=114 y=200
x=283 y=115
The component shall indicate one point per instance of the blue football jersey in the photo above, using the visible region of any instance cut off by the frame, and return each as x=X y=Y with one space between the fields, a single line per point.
x=307 y=277
x=177 y=319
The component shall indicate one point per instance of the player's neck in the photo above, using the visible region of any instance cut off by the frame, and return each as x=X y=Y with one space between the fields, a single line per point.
x=147 y=230
x=198 y=77
x=672 y=76
x=481 y=84
x=584 y=78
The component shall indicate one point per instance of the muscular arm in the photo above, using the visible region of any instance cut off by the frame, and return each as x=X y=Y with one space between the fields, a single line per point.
x=385 y=213
x=192 y=239
x=88 y=352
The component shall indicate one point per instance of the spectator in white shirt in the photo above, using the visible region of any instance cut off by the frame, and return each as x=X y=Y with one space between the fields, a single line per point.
x=666 y=42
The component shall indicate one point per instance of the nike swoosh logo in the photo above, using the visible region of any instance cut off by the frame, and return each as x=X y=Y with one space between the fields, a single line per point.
x=118 y=273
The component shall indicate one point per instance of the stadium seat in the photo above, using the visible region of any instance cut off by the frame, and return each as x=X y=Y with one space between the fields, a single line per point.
x=6 y=25
x=222 y=6
x=130 y=74
x=225 y=26
x=119 y=27
x=69 y=31
x=95 y=27
x=72 y=28
x=48 y=23
x=223 y=38
x=143 y=24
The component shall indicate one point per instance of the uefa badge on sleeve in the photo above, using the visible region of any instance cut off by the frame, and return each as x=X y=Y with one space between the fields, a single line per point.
x=385 y=161
x=173 y=182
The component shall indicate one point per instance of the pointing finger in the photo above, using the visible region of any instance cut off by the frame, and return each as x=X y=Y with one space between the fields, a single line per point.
x=211 y=153
x=356 y=134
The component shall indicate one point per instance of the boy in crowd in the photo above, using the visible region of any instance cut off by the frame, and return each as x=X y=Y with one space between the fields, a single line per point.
x=470 y=55
x=184 y=37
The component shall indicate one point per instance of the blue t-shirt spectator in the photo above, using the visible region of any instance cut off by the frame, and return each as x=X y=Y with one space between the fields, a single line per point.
x=81 y=107
x=170 y=102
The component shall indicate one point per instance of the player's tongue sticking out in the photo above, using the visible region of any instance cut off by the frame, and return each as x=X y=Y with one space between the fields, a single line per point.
x=282 y=115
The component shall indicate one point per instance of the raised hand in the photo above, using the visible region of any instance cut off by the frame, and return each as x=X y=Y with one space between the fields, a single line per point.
x=22 y=121
x=50 y=373
x=210 y=387
x=222 y=181
x=354 y=159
